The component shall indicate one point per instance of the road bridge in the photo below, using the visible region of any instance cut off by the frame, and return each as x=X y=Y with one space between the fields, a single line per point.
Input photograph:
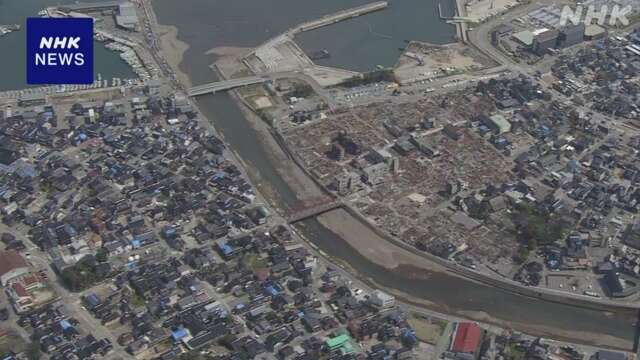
x=312 y=211
x=214 y=87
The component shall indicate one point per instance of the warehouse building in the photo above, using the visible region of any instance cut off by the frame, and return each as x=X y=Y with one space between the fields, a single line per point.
x=571 y=35
x=545 y=41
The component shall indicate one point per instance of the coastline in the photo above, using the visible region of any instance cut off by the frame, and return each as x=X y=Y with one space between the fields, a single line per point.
x=173 y=51
x=303 y=188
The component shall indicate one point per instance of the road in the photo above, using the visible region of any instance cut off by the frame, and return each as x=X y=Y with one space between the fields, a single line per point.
x=72 y=301
x=480 y=37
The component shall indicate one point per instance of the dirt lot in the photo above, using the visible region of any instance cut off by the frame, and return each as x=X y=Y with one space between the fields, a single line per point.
x=427 y=330
x=11 y=342
x=422 y=61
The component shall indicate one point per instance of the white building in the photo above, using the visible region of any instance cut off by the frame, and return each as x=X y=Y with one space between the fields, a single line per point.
x=382 y=299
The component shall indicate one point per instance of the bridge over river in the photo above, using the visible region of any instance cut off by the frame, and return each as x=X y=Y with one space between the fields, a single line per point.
x=214 y=87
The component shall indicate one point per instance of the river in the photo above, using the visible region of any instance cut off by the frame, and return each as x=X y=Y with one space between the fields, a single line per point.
x=13 y=60
x=358 y=44
x=205 y=24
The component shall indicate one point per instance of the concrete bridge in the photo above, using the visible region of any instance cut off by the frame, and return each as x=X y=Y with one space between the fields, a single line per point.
x=312 y=211
x=214 y=87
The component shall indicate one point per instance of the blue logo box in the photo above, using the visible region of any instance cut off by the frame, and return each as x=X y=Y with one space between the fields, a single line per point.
x=59 y=51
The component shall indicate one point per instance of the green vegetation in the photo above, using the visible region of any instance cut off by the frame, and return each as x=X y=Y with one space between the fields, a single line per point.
x=102 y=255
x=479 y=210
x=264 y=116
x=370 y=78
x=300 y=91
x=515 y=352
x=33 y=351
x=137 y=301
x=537 y=227
x=253 y=261
x=85 y=273
x=523 y=255
x=427 y=329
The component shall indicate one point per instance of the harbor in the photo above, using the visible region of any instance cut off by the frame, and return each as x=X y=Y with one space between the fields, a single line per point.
x=99 y=83
x=13 y=65
x=127 y=50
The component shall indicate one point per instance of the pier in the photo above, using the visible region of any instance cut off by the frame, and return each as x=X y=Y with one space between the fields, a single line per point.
x=460 y=20
x=282 y=54
x=338 y=17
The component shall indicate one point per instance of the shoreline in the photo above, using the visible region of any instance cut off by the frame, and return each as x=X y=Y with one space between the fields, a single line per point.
x=294 y=173
x=302 y=186
x=299 y=181
x=173 y=50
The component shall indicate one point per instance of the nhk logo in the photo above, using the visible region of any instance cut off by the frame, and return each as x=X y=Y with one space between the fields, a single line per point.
x=53 y=58
x=59 y=51
x=616 y=14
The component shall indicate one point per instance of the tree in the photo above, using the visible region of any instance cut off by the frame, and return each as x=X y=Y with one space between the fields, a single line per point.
x=538 y=227
x=301 y=91
x=370 y=78
x=522 y=255
x=33 y=351
x=102 y=255
x=82 y=275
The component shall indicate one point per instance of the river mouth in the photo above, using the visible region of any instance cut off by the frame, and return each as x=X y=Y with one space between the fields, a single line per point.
x=437 y=290
x=13 y=73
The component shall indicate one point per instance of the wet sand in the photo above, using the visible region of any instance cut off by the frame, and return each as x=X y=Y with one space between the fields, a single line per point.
x=371 y=245
x=298 y=181
x=173 y=51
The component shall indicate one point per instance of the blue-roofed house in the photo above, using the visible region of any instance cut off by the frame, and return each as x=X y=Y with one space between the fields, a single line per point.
x=179 y=334
x=65 y=324
x=226 y=250
x=270 y=290
x=92 y=301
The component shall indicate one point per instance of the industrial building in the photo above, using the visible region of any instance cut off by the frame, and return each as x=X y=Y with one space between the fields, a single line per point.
x=594 y=32
x=382 y=300
x=524 y=37
x=499 y=123
x=127 y=17
x=545 y=41
x=496 y=123
x=466 y=339
x=571 y=35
